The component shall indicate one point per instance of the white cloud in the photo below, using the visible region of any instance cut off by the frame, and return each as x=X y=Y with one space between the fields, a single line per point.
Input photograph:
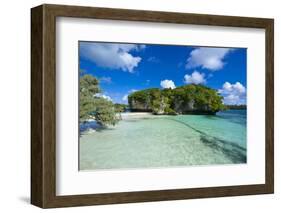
x=236 y=88
x=106 y=80
x=207 y=58
x=167 y=84
x=195 y=78
x=147 y=82
x=132 y=90
x=233 y=94
x=113 y=56
x=153 y=59
x=239 y=87
x=227 y=86
x=103 y=96
x=231 y=99
x=125 y=97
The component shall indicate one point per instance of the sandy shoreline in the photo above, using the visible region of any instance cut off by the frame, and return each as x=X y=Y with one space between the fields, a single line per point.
x=124 y=116
x=133 y=115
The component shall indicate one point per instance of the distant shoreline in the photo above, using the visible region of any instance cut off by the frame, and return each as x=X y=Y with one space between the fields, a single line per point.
x=133 y=115
x=236 y=107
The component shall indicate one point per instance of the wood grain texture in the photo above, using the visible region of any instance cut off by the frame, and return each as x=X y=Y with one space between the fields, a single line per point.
x=36 y=106
x=269 y=106
x=43 y=105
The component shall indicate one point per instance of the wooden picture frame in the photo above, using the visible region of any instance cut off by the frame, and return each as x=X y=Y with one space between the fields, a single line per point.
x=43 y=105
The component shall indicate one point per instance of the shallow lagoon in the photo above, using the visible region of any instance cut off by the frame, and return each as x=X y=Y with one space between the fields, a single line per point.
x=167 y=141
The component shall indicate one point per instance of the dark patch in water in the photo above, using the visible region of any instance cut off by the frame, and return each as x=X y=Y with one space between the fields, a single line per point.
x=211 y=117
x=196 y=130
x=100 y=129
x=131 y=120
x=88 y=125
x=233 y=151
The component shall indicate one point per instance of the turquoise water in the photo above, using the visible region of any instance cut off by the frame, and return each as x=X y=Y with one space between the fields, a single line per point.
x=167 y=141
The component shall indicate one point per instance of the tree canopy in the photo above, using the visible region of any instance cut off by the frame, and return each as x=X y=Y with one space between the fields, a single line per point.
x=185 y=99
x=120 y=108
x=92 y=106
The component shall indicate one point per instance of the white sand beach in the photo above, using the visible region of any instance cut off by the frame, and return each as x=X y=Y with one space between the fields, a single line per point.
x=135 y=115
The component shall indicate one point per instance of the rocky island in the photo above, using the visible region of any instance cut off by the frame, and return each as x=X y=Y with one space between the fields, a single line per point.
x=188 y=99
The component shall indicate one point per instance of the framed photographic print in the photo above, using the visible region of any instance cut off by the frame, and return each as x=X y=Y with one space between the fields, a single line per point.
x=136 y=106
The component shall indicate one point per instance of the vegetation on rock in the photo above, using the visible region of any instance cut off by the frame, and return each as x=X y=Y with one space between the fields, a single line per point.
x=188 y=99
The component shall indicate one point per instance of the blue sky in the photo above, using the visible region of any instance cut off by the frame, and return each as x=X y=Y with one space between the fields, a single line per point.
x=124 y=68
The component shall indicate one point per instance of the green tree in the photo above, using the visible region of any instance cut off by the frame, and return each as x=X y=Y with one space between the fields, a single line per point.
x=120 y=108
x=92 y=106
x=105 y=113
x=88 y=89
x=200 y=98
